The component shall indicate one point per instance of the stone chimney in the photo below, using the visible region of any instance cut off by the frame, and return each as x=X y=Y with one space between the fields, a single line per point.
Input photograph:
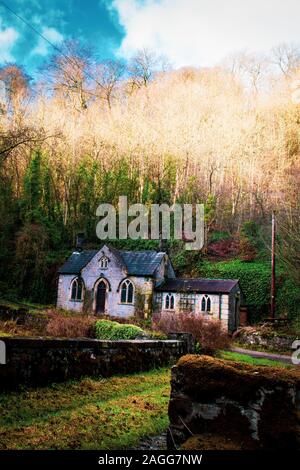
x=79 y=241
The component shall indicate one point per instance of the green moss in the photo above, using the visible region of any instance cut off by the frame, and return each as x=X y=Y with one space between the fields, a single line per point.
x=272 y=372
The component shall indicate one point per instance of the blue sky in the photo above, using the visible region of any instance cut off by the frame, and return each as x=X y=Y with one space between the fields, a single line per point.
x=90 y=21
x=188 y=32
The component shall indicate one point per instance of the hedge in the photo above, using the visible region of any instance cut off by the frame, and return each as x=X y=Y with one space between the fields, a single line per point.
x=112 y=330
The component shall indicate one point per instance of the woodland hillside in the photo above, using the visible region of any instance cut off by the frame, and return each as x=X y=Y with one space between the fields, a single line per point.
x=84 y=132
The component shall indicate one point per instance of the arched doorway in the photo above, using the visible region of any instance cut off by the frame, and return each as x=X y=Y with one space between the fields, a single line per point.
x=101 y=297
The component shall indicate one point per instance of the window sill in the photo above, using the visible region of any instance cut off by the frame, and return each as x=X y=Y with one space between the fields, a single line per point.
x=75 y=300
x=125 y=303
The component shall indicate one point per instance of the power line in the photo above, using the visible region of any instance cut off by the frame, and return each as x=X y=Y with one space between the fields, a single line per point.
x=47 y=40
x=30 y=26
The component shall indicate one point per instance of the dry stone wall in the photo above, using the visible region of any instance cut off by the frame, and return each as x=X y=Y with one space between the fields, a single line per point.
x=34 y=361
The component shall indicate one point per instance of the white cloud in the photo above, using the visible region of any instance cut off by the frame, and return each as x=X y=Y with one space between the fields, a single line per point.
x=42 y=47
x=203 y=32
x=8 y=37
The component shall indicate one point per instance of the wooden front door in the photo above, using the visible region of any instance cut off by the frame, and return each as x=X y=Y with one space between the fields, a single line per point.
x=100 y=298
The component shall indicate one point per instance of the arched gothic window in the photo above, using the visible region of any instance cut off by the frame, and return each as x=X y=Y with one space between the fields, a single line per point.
x=205 y=304
x=169 y=302
x=103 y=262
x=127 y=292
x=77 y=288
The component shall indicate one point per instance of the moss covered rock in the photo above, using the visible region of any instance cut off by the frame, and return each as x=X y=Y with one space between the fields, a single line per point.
x=257 y=406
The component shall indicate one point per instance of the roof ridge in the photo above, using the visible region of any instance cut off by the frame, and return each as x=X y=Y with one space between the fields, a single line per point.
x=198 y=285
x=206 y=278
x=143 y=251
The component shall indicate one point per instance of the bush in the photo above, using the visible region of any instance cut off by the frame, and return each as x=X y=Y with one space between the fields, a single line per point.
x=143 y=323
x=208 y=332
x=224 y=248
x=70 y=327
x=112 y=330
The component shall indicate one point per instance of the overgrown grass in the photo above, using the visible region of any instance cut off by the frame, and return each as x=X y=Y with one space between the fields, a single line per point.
x=109 y=413
x=255 y=361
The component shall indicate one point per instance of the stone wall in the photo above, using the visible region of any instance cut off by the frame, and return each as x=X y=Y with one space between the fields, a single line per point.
x=31 y=361
x=266 y=338
x=229 y=405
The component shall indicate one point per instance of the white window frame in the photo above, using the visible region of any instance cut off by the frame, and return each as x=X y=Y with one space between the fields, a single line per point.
x=127 y=282
x=168 y=298
x=206 y=298
x=103 y=262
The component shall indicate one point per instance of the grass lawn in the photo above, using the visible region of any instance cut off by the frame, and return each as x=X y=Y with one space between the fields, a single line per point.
x=108 y=414
x=255 y=361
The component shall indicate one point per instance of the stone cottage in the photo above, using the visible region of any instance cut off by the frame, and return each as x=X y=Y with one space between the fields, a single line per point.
x=127 y=283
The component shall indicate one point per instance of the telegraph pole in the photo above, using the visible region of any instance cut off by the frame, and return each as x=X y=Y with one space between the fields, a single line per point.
x=273 y=286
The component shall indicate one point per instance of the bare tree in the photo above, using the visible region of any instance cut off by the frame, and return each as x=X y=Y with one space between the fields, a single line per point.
x=286 y=57
x=143 y=66
x=15 y=89
x=234 y=63
x=255 y=68
x=68 y=72
x=194 y=127
x=109 y=74
x=251 y=69
x=289 y=247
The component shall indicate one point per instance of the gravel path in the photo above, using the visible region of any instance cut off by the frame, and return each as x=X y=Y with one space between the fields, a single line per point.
x=264 y=355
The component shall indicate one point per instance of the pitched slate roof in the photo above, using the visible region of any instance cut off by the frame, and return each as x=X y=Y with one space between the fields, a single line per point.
x=222 y=286
x=77 y=261
x=137 y=263
x=141 y=263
